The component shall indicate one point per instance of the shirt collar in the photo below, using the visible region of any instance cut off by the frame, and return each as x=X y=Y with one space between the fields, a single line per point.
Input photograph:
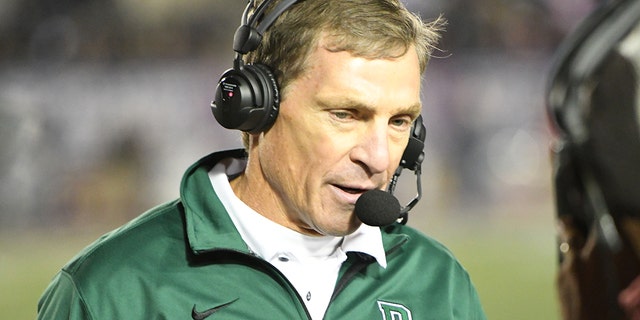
x=258 y=231
x=366 y=239
x=207 y=224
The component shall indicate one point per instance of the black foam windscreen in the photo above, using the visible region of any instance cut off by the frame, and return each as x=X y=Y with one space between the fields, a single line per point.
x=377 y=208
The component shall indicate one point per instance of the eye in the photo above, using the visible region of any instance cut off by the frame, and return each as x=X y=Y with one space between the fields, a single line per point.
x=342 y=114
x=403 y=122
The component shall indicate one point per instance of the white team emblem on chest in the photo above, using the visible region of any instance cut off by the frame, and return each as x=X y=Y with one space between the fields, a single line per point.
x=394 y=311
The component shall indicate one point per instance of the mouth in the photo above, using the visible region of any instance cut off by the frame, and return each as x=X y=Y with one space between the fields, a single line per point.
x=350 y=194
x=352 y=190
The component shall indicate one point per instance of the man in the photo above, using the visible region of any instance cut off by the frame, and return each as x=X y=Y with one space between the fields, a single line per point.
x=593 y=102
x=271 y=234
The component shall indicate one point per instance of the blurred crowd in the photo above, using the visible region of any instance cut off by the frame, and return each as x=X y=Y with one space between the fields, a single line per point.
x=103 y=103
x=77 y=30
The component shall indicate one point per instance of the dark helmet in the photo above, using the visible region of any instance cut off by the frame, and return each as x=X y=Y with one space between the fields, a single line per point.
x=594 y=109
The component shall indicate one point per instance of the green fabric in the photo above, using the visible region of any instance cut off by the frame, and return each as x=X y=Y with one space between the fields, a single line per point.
x=187 y=254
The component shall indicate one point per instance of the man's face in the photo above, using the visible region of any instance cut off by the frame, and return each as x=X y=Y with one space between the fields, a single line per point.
x=342 y=129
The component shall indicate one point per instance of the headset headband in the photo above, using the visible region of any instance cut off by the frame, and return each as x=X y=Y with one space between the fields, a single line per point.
x=249 y=34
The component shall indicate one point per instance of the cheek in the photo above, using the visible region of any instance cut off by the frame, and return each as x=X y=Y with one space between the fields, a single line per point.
x=396 y=154
x=309 y=143
x=287 y=154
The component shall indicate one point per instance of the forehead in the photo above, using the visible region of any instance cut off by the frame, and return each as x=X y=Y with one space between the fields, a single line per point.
x=342 y=78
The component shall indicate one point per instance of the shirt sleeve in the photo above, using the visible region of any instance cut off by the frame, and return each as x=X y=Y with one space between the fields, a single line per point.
x=62 y=300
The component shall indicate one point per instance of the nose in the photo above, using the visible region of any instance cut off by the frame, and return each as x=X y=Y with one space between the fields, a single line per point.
x=372 y=151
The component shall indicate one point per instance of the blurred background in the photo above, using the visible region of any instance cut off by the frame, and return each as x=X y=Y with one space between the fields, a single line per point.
x=105 y=103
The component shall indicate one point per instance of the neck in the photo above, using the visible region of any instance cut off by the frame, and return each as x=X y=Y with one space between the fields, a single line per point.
x=252 y=188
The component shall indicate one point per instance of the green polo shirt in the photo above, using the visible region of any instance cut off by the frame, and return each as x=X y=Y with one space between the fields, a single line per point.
x=185 y=260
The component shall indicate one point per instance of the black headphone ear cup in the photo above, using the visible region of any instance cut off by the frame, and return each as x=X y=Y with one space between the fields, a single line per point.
x=414 y=152
x=247 y=99
x=270 y=97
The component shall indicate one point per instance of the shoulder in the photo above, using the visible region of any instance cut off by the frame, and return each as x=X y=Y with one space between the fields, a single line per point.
x=107 y=271
x=412 y=251
x=141 y=238
x=409 y=238
x=426 y=267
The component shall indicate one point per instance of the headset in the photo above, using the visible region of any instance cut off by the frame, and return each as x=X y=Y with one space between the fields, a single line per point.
x=247 y=96
x=412 y=158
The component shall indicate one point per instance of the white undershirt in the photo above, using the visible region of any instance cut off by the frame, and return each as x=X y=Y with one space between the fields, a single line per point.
x=310 y=263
